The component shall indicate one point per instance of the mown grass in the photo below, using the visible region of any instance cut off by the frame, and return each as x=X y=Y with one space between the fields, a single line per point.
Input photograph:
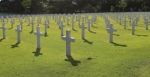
x=128 y=57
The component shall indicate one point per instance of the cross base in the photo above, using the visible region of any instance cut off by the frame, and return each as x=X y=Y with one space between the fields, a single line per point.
x=37 y=52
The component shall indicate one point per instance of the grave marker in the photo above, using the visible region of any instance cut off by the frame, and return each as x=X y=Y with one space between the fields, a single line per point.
x=125 y=24
x=83 y=31
x=18 y=30
x=68 y=40
x=73 y=23
x=12 y=22
x=46 y=26
x=89 y=25
x=62 y=28
x=110 y=30
x=146 y=23
x=3 y=29
x=133 y=27
x=38 y=34
x=21 y=22
x=32 y=26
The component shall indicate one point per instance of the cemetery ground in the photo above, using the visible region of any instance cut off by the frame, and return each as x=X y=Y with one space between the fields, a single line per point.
x=127 y=56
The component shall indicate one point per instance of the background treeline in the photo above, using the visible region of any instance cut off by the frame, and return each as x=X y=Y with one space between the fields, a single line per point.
x=73 y=6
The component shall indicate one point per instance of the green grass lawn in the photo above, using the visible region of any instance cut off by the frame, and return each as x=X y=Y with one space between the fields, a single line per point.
x=129 y=57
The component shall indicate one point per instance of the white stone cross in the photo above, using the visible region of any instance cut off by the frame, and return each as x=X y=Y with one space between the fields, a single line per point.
x=130 y=20
x=83 y=31
x=21 y=22
x=45 y=27
x=125 y=23
x=38 y=34
x=94 y=18
x=110 y=30
x=146 y=23
x=47 y=22
x=89 y=25
x=4 y=29
x=12 y=22
x=68 y=40
x=62 y=28
x=18 y=30
x=67 y=18
x=73 y=23
x=79 y=21
x=40 y=20
x=133 y=27
x=32 y=26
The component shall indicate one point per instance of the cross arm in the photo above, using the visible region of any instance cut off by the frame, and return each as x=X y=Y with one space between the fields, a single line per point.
x=72 y=39
x=63 y=37
x=42 y=34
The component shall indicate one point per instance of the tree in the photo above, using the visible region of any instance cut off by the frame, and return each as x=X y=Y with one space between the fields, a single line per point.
x=26 y=5
x=112 y=8
x=122 y=5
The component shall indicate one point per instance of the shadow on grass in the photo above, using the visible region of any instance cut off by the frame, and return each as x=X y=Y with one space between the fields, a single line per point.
x=15 y=45
x=116 y=34
x=92 y=32
x=87 y=41
x=73 y=61
x=142 y=35
x=31 y=32
x=90 y=58
x=128 y=29
x=45 y=35
x=1 y=39
x=10 y=28
x=94 y=26
x=116 y=44
x=74 y=29
x=37 y=52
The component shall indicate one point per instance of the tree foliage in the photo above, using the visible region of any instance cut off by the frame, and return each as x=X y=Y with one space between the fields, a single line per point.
x=72 y=6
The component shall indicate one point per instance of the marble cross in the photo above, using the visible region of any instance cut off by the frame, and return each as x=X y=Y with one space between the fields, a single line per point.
x=133 y=27
x=79 y=21
x=73 y=23
x=93 y=19
x=21 y=22
x=40 y=20
x=47 y=22
x=110 y=30
x=18 y=30
x=38 y=34
x=146 y=23
x=130 y=20
x=67 y=18
x=62 y=28
x=32 y=26
x=68 y=40
x=12 y=22
x=83 y=31
x=4 y=29
x=89 y=25
x=125 y=23
x=45 y=27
